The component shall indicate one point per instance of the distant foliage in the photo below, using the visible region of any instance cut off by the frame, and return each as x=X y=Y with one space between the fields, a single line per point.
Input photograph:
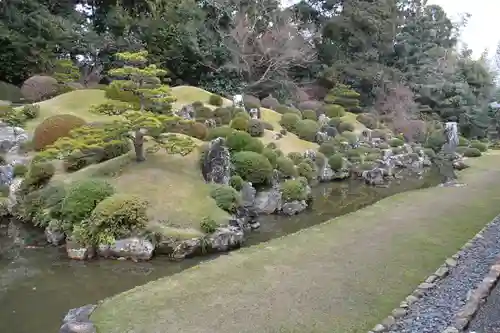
x=53 y=128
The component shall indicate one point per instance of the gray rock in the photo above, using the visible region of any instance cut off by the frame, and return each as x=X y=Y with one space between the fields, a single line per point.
x=79 y=314
x=78 y=327
x=248 y=194
x=226 y=238
x=134 y=248
x=293 y=207
x=78 y=252
x=187 y=112
x=374 y=176
x=216 y=166
x=54 y=237
x=268 y=202
x=13 y=191
x=187 y=248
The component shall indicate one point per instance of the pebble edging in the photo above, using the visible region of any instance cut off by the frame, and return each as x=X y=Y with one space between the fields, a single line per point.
x=463 y=318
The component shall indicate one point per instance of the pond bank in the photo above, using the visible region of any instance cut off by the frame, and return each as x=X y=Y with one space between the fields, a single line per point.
x=41 y=284
x=343 y=275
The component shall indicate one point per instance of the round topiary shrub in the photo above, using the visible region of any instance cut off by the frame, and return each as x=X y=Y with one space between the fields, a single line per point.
x=289 y=121
x=269 y=103
x=307 y=129
x=238 y=141
x=208 y=225
x=240 y=124
x=336 y=162
x=462 y=142
x=198 y=130
x=295 y=157
x=345 y=126
x=236 y=182
x=116 y=216
x=435 y=141
x=31 y=111
x=226 y=197
x=309 y=114
x=39 y=87
x=282 y=109
x=461 y=149
x=219 y=132
x=19 y=170
x=320 y=160
x=295 y=111
x=350 y=137
x=252 y=167
x=271 y=155
x=335 y=122
x=306 y=170
x=472 y=152
x=328 y=148
x=37 y=176
x=251 y=102
x=203 y=113
x=255 y=128
x=333 y=110
x=286 y=167
x=310 y=105
x=81 y=199
x=293 y=189
x=223 y=116
x=482 y=147
x=396 y=142
x=215 y=100
x=53 y=128
x=368 y=120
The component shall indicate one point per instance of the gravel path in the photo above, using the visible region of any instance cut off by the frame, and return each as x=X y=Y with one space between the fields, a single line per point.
x=487 y=319
x=436 y=310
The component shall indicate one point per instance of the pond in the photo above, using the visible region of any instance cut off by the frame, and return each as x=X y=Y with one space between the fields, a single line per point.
x=39 y=284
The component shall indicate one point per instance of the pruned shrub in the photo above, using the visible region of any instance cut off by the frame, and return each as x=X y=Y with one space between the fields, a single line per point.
x=430 y=152
x=282 y=109
x=328 y=148
x=252 y=167
x=396 y=142
x=208 y=225
x=379 y=134
x=255 y=128
x=435 y=140
x=345 y=126
x=333 y=110
x=482 y=147
x=222 y=132
x=203 y=113
x=114 y=217
x=39 y=87
x=350 y=137
x=462 y=142
x=472 y=152
x=251 y=102
x=336 y=162
x=197 y=105
x=286 y=166
x=31 y=111
x=306 y=170
x=215 y=100
x=20 y=170
x=368 y=120
x=397 y=150
x=269 y=103
x=271 y=155
x=309 y=114
x=293 y=189
x=240 y=124
x=295 y=111
x=198 y=130
x=310 y=105
x=296 y=157
x=53 y=128
x=242 y=141
x=307 y=129
x=111 y=108
x=223 y=116
x=236 y=182
x=267 y=125
x=289 y=121
x=37 y=176
x=81 y=199
x=226 y=197
x=335 y=122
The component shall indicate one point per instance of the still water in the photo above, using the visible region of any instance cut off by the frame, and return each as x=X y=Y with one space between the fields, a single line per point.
x=39 y=284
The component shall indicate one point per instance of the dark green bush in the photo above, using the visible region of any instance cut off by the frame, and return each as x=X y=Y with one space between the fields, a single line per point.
x=345 y=126
x=336 y=162
x=328 y=148
x=271 y=155
x=114 y=217
x=310 y=105
x=20 y=170
x=251 y=102
x=293 y=189
x=333 y=110
x=286 y=167
x=222 y=132
x=397 y=150
x=111 y=108
x=37 y=176
x=269 y=103
x=396 y=142
x=335 y=122
x=252 y=167
x=289 y=121
x=240 y=113
x=368 y=120
x=255 y=145
x=203 y=113
x=197 y=105
x=238 y=141
x=295 y=157
x=215 y=100
x=240 y=124
x=226 y=197
x=223 y=116
x=309 y=114
x=472 y=152
x=31 y=111
x=482 y=147
x=198 y=130
x=461 y=149
x=307 y=130
x=208 y=225
x=294 y=111
x=384 y=145
x=236 y=182
x=350 y=137
x=255 y=128
x=435 y=141
x=320 y=159
x=81 y=199
x=306 y=170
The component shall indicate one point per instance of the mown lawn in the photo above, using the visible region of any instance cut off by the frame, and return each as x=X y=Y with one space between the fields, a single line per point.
x=342 y=276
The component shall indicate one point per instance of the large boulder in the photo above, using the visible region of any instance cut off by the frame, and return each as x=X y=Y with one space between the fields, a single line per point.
x=79 y=314
x=78 y=320
x=186 y=249
x=294 y=207
x=248 y=194
x=268 y=202
x=78 y=327
x=76 y=251
x=53 y=236
x=376 y=176
x=216 y=166
x=226 y=239
x=133 y=248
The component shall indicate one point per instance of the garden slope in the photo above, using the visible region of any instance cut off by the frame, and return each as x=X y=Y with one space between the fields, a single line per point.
x=341 y=276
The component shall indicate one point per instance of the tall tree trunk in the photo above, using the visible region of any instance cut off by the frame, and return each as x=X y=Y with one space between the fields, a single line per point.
x=139 y=146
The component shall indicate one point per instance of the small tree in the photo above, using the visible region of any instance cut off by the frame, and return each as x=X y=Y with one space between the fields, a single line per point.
x=143 y=82
x=65 y=71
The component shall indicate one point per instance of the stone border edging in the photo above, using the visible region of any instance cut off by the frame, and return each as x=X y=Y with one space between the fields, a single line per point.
x=473 y=301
